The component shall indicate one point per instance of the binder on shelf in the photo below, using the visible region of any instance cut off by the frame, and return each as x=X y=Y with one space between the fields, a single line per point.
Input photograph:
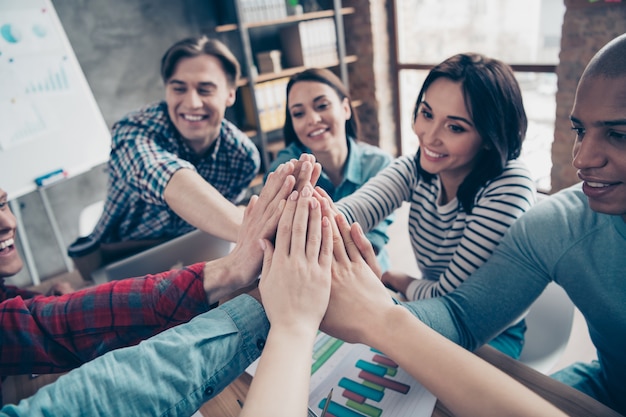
x=310 y=43
x=270 y=99
x=269 y=61
x=253 y=11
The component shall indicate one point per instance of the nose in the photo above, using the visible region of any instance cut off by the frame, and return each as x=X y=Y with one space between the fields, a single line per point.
x=8 y=222
x=589 y=152
x=192 y=99
x=428 y=133
x=312 y=117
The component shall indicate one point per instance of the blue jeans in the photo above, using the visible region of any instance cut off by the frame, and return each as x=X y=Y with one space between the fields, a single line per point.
x=511 y=341
x=170 y=374
x=589 y=379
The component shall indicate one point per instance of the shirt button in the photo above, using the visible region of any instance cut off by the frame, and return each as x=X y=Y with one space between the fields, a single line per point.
x=208 y=391
x=260 y=344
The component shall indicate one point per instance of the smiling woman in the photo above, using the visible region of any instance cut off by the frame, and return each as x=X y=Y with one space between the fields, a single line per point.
x=320 y=120
x=464 y=184
x=449 y=142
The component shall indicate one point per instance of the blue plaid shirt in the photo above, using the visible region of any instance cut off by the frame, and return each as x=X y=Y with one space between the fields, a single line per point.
x=146 y=150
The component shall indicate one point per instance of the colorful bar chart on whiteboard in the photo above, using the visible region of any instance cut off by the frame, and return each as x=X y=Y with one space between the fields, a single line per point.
x=365 y=383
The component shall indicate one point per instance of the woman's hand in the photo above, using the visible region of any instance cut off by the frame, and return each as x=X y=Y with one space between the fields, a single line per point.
x=295 y=283
x=358 y=298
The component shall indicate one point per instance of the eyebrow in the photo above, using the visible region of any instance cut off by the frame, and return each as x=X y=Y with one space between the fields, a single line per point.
x=314 y=100
x=609 y=123
x=462 y=119
x=201 y=84
x=3 y=195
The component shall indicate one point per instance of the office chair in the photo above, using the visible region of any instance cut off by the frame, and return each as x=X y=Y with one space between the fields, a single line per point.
x=89 y=217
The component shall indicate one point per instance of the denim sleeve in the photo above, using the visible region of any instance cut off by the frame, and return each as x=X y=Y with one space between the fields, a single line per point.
x=170 y=374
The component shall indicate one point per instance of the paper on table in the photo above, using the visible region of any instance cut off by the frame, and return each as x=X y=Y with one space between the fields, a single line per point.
x=366 y=383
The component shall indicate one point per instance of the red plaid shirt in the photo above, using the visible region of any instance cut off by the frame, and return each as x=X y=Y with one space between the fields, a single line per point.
x=54 y=334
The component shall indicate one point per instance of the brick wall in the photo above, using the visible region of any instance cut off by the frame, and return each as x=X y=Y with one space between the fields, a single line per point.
x=586 y=28
x=368 y=37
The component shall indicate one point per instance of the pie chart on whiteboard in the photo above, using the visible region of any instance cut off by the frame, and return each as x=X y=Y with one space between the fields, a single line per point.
x=10 y=34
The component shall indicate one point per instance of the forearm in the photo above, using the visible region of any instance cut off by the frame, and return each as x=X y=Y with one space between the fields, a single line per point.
x=379 y=197
x=281 y=382
x=463 y=382
x=201 y=205
x=195 y=362
x=63 y=332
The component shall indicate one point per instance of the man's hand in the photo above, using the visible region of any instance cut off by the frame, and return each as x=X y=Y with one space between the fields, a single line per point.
x=242 y=266
x=260 y=222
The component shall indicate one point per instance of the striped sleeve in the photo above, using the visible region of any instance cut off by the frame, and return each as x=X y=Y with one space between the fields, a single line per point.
x=381 y=195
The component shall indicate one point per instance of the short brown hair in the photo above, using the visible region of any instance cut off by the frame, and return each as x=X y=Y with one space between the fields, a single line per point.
x=196 y=46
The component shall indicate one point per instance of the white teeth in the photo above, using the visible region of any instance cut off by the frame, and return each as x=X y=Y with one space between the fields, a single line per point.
x=192 y=118
x=6 y=243
x=317 y=132
x=597 y=184
x=432 y=154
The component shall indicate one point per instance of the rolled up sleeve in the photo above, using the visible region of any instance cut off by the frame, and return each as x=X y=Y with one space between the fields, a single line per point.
x=171 y=374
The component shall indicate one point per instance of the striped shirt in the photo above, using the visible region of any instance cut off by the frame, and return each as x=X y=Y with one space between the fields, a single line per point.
x=448 y=243
x=146 y=151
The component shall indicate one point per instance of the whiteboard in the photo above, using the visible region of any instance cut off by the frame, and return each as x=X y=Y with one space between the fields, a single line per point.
x=49 y=119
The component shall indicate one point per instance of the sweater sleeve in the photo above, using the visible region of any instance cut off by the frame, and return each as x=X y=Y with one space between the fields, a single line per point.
x=171 y=374
x=54 y=334
x=495 y=296
x=497 y=206
x=381 y=195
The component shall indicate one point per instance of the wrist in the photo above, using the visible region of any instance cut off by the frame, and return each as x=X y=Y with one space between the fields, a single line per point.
x=223 y=277
x=303 y=334
x=381 y=332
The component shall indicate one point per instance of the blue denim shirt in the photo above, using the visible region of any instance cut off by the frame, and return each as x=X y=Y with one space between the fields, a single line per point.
x=171 y=374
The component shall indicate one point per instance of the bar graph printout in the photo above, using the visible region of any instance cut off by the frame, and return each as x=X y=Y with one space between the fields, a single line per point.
x=365 y=383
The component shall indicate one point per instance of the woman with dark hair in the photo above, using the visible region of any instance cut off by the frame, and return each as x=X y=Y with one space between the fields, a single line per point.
x=320 y=120
x=464 y=185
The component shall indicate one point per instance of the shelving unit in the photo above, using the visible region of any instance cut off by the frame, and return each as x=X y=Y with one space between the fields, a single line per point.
x=259 y=36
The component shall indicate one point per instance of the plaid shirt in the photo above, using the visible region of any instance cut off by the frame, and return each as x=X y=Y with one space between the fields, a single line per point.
x=146 y=151
x=55 y=334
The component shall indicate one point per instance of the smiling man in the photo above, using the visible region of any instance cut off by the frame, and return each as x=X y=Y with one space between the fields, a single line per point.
x=178 y=164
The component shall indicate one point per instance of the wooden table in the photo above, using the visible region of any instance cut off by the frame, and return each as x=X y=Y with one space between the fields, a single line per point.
x=566 y=398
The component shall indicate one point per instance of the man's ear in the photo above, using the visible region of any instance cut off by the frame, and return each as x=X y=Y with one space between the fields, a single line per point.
x=232 y=96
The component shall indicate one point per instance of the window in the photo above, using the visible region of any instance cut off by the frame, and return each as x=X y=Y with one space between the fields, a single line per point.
x=524 y=34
